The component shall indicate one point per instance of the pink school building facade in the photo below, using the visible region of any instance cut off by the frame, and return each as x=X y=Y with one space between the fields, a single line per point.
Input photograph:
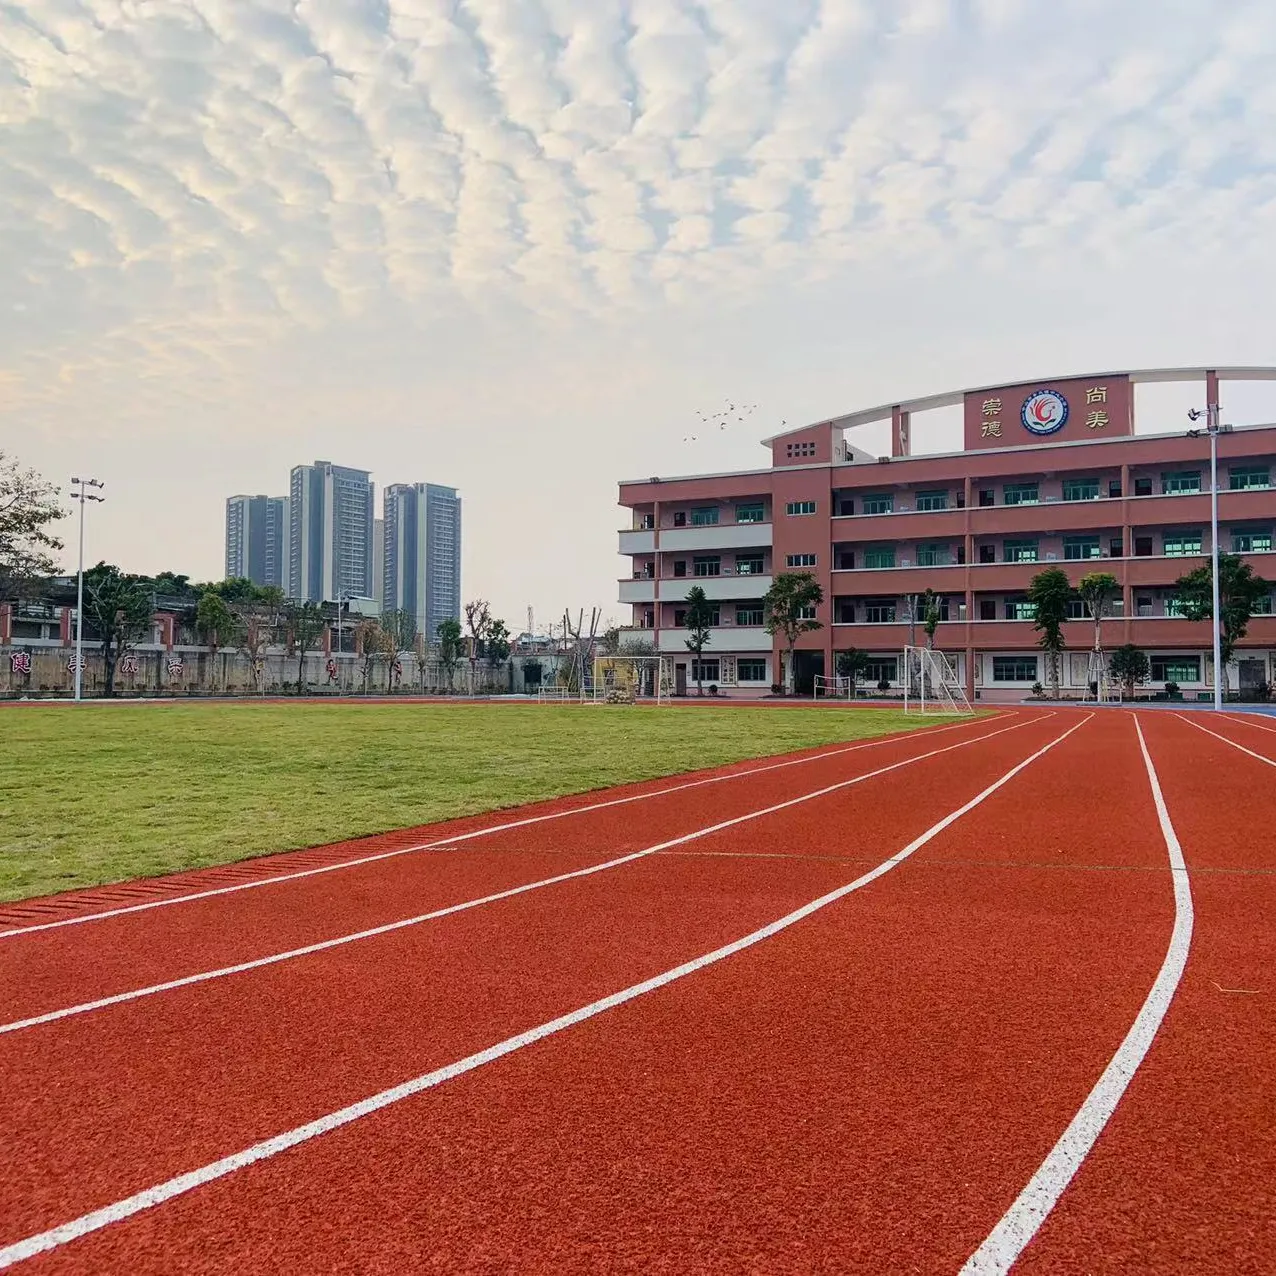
x=1051 y=473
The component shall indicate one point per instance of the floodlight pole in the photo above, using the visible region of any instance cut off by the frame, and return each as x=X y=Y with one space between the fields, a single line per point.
x=1213 y=427
x=80 y=492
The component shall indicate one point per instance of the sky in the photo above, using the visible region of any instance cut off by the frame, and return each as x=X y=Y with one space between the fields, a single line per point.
x=516 y=246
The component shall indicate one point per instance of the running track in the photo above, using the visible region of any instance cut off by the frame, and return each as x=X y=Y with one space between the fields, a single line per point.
x=994 y=994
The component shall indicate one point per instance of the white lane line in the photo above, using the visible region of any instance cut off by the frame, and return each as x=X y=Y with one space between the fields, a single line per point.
x=1247 y=719
x=483 y=832
x=161 y=1192
x=1007 y=1241
x=239 y=968
x=1261 y=757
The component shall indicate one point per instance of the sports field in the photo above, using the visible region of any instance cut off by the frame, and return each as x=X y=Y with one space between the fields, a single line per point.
x=104 y=793
x=991 y=996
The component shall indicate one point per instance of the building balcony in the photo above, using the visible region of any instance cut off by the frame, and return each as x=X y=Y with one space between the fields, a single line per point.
x=721 y=640
x=637 y=541
x=717 y=536
x=1256 y=505
x=1159 y=570
x=927 y=524
x=894 y=582
x=641 y=590
x=724 y=588
x=1046 y=517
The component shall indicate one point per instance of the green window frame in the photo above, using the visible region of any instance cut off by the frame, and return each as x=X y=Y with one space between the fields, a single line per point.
x=1242 y=478
x=1251 y=540
x=1081 y=489
x=709 y=565
x=1176 y=668
x=800 y=560
x=878 y=503
x=749 y=614
x=1022 y=494
x=754 y=512
x=932 y=500
x=795 y=508
x=750 y=670
x=934 y=555
x=884 y=669
x=750 y=565
x=706 y=516
x=879 y=612
x=1014 y=669
x=880 y=556
x=1180 y=482
x=1182 y=544
x=1020 y=609
x=1081 y=547
x=1021 y=551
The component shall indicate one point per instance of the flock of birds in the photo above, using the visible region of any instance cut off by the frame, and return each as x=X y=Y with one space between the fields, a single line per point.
x=723 y=418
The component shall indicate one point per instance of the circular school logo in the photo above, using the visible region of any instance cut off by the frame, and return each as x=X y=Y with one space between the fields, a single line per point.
x=1044 y=412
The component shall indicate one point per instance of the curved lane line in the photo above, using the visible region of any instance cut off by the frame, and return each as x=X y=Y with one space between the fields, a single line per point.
x=1007 y=1241
x=1226 y=740
x=240 y=968
x=150 y=1197
x=476 y=833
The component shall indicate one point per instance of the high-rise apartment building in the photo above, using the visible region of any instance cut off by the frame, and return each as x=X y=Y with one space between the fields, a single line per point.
x=257 y=538
x=422 y=553
x=331 y=533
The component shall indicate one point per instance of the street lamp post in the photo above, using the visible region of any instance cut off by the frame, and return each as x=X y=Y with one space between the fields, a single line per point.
x=81 y=491
x=1212 y=429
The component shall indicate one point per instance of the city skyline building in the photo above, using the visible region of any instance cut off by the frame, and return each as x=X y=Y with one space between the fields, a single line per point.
x=257 y=539
x=422 y=553
x=331 y=528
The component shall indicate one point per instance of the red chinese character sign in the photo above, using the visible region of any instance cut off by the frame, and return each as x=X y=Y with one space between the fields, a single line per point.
x=1050 y=412
x=128 y=667
x=20 y=663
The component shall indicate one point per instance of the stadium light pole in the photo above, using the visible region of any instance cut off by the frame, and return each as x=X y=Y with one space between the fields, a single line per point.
x=81 y=491
x=1212 y=429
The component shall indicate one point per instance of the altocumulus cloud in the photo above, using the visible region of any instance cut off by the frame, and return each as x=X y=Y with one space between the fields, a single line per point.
x=182 y=178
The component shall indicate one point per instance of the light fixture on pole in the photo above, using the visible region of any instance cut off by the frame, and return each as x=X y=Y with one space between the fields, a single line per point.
x=1212 y=429
x=82 y=490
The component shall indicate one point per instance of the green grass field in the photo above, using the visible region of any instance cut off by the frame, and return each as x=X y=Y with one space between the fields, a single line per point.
x=110 y=792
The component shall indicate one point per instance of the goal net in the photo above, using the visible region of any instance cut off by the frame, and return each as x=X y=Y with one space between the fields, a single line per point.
x=628 y=679
x=931 y=684
x=836 y=688
x=557 y=693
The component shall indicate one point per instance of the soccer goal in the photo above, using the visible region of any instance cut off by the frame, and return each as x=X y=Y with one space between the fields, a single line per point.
x=835 y=688
x=628 y=679
x=555 y=693
x=931 y=684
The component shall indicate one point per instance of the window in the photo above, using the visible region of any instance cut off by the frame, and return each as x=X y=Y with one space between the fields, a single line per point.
x=961 y=555
x=879 y=611
x=1142 y=487
x=806 y=613
x=844 y=611
x=1251 y=540
x=705 y=670
x=932 y=500
x=1182 y=544
x=1081 y=547
x=680 y=567
x=800 y=449
x=934 y=555
x=704 y=517
x=1177 y=481
x=1082 y=489
x=1263 y=606
x=1115 y=548
x=1021 y=494
x=750 y=670
x=879 y=556
x=1020 y=609
x=649 y=618
x=987 y=609
x=1142 y=547
x=845 y=505
x=882 y=503
x=987 y=496
x=1243 y=477
x=1021 y=551
x=961 y=499
x=647 y=522
x=885 y=669
x=1014 y=669
x=1114 y=488
x=800 y=560
x=708 y=566
x=800 y=507
x=987 y=553
x=1076 y=609
x=680 y=617
x=750 y=565
x=1176 y=668
x=1143 y=605
x=1174 y=608
x=748 y=614
x=845 y=560
x=754 y=512
x=680 y=519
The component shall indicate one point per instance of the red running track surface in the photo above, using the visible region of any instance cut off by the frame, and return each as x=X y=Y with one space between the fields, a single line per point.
x=868 y=1089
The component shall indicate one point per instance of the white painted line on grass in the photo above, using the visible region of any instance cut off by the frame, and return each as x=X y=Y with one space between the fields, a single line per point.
x=1007 y=1241
x=150 y=1197
x=476 y=833
x=240 y=968
x=1261 y=757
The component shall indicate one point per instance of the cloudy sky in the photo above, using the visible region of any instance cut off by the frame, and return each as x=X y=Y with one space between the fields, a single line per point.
x=517 y=245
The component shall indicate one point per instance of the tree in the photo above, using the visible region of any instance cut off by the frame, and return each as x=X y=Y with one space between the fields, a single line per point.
x=789 y=606
x=173 y=585
x=28 y=506
x=852 y=665
x=478 y=620
x=399 y=628
x=257 y=610
x=930 y=614
x=497 y=647
x=305 y=625
x=1128 y=665
x=216 y=622
x=449 y=632
x=1050 y=592
x=699 y=624
x=1097 y=589
x=370 y=643
x=1239 y=594
x=118 y=607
